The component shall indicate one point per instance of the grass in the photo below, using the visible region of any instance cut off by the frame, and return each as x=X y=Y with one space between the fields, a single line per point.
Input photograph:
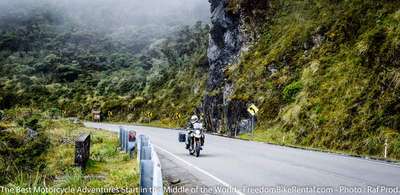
x=336 y=83
x=277 y=137
x=107 y=167
x=274 y=135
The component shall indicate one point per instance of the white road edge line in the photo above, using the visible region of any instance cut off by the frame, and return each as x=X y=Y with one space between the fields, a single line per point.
x=200 y=170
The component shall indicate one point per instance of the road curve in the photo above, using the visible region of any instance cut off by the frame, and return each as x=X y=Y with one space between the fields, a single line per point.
x=243 y=167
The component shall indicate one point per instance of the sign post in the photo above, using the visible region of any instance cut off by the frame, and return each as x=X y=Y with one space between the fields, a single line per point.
x=252 y=109
x=96 y=115
x=252 y=126
x=386 y=148
x=148 y=115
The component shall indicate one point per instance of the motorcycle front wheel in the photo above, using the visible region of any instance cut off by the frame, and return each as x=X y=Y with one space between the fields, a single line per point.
x=198 y=149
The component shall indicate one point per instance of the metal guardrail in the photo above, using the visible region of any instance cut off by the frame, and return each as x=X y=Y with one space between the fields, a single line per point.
x=151 y=182
x=150 y=175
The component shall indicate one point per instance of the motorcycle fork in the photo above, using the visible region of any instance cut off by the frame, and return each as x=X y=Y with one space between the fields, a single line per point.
x=197 y=141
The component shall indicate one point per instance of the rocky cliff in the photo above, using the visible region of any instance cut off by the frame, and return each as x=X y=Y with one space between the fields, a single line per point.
x=231 y=34
x=224 y=47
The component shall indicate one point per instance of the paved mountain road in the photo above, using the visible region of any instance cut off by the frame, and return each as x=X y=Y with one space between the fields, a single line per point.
x=237 y=163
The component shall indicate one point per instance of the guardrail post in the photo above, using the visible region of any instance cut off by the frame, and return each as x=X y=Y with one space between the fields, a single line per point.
x=146 y=179
x=123 y=140
x=139 y=147
x=126 y=141
x=120 y=138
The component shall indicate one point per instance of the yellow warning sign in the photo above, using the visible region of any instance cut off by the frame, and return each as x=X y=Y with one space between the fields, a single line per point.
x=148 y=114
x=252 y=109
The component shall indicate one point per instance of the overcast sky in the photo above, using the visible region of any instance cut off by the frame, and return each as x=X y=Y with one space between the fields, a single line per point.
x=118 y=12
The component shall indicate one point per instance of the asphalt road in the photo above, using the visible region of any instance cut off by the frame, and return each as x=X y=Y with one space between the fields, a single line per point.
x=243 y=167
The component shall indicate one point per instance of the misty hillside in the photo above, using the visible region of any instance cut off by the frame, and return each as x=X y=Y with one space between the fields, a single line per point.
x=324 y=73
x=65 y=59
x=52 y=60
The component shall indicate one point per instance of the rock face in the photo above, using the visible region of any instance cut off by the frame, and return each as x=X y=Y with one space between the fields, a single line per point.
x=225 y=45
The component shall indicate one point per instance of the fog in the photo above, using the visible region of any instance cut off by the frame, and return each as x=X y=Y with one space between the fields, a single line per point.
x=113 y=15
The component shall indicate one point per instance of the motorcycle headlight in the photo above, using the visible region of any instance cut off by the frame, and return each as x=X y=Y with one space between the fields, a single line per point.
x=197 y=131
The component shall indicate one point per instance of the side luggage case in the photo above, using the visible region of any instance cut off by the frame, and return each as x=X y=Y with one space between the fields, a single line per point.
x=182 y=137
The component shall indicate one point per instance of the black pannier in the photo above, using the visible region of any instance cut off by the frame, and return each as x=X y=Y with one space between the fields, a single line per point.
x=182 y=137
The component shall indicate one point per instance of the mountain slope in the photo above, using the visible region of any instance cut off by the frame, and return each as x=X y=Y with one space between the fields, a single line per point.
x=325 y=74
x=49 y=62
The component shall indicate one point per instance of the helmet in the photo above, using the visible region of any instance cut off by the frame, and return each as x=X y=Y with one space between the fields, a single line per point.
x=194 y=119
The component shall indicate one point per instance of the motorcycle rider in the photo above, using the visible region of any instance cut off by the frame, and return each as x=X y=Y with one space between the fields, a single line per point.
x=195 y=124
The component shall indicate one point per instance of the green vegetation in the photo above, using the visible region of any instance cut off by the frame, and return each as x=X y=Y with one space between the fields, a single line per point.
x=47 y=159
x=107 y=167
x=21 y=149
x=291 y=90
x=326 y=75
x=53 y=67
x=49 y=62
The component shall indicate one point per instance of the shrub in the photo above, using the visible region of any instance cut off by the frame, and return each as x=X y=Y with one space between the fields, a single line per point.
x=54 y=112
x=396 y=148
x=30 y=121
x=21 y=153
x=291 y=90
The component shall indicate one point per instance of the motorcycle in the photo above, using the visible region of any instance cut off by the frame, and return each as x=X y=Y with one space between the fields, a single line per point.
x=194 y=141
